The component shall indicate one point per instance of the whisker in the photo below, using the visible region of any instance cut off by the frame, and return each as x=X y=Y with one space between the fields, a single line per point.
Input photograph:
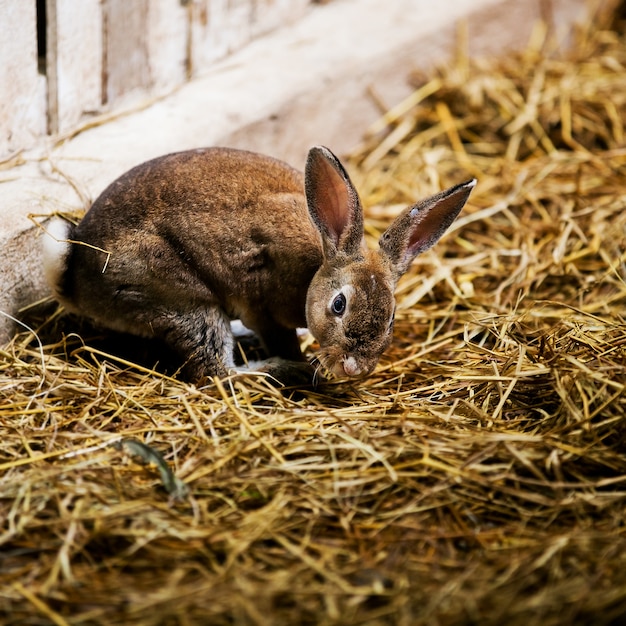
x=323 y=362
x=316 y=374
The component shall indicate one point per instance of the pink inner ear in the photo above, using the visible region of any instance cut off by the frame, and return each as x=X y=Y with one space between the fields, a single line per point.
x=431 y=223
x=333 y=202
x=332 y=199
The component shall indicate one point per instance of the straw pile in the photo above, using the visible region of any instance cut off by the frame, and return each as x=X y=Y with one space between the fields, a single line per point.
x=478 y=476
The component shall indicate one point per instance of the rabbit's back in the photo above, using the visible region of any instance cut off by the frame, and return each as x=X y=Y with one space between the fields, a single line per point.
x=220 y=184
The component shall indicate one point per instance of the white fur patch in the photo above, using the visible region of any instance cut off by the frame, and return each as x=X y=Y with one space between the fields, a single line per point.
x=55 y=248
x=350 y=366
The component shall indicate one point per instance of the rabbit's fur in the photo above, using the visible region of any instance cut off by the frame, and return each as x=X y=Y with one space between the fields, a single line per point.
x=180 y=245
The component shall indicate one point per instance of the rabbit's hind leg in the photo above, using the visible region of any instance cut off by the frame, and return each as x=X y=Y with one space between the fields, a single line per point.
x=202 y=337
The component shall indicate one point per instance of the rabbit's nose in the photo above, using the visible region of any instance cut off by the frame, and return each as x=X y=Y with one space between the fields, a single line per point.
x=350 y=366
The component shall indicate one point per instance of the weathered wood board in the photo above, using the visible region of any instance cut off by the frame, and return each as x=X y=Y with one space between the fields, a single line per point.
x=168 y=32
x=125 y=43
x=22 y=88
x=74 y=61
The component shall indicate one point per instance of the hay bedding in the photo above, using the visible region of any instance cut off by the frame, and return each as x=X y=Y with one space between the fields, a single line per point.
x=478 y=476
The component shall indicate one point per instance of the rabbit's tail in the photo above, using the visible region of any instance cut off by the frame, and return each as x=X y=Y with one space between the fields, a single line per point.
x=56 y=248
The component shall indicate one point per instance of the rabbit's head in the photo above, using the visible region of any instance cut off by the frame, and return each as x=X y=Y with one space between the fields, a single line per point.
x=350 y=302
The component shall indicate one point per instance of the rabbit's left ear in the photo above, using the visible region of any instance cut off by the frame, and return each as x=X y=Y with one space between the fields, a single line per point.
x=420 y=226
x=333 y=203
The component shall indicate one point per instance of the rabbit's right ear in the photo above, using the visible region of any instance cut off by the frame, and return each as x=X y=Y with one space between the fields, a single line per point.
x=420 y=226
x=333 y=203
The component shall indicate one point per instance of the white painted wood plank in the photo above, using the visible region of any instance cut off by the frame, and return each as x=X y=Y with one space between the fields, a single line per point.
x=271 y=14
x=74 y=61
x=239 y=22
x=209 y=41
x=168 y=25
x=22 y=88
x=220 y=27
x=126 y=66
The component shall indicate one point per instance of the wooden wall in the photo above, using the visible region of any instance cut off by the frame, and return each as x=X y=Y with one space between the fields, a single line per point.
x=62 y=61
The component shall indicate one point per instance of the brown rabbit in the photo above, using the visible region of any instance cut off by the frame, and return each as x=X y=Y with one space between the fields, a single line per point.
x=180 y=245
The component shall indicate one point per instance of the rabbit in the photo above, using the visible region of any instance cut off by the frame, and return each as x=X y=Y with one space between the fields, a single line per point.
x=179 y=246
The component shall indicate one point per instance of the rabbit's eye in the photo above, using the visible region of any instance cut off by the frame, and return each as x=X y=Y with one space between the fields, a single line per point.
x=338 y=305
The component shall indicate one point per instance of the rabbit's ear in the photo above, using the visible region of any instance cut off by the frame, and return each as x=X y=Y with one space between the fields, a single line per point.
x=333 y=203
x=420 y=226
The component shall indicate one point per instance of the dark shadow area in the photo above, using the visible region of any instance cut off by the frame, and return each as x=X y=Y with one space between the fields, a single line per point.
x=68 y=334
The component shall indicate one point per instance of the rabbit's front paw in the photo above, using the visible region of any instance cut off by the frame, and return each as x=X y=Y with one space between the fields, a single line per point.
x=285 y=372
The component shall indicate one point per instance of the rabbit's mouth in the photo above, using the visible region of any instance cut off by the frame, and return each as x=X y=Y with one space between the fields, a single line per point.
x=350 y=366
x=342 y=365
